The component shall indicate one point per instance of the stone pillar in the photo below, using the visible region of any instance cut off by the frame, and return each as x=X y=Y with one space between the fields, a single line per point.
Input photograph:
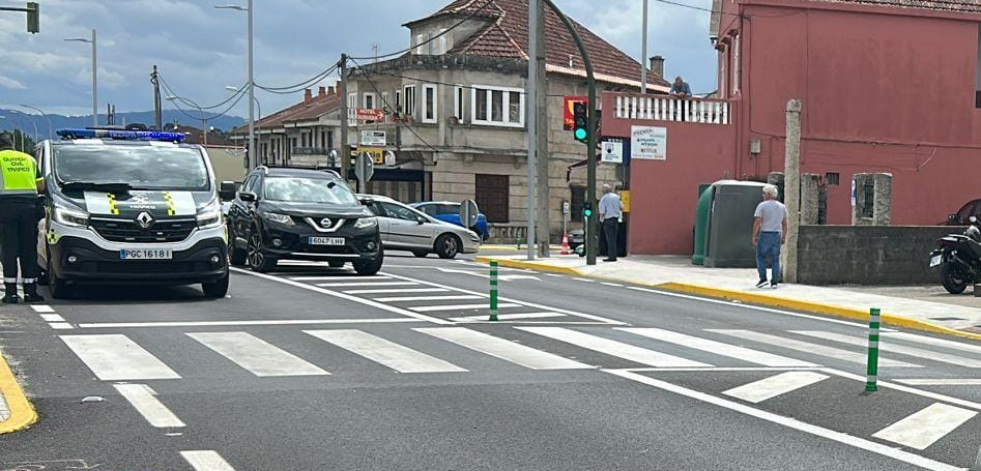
x=809 y=198
x=882 y=205
x=791 y=170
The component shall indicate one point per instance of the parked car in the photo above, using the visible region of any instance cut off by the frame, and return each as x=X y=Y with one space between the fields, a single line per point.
x=450 y=212
x=406 y=228
x=576 y=238
x=963 y=216
x=291 y=214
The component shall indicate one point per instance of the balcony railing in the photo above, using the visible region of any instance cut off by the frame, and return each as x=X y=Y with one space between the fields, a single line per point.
x=664 y=108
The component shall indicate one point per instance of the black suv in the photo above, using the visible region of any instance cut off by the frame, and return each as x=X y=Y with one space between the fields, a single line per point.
x=294 y=214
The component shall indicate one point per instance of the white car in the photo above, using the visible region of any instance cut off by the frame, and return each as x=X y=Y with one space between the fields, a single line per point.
x=406 y=228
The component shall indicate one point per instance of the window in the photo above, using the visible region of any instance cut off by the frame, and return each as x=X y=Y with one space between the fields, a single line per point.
x=398 y=101
x=832 y=178
x=458 y=102
x=498 y=106
x=575 y=206
x=735 y=64
x=429 y=103
x=395 y=211
x=419 y=47
x=431 y=43
x=303 y=140
x=385 y=104
x=330 y=139
x=409 y=95
x=292 y=143
x=369 y=101
x=492 y=196
x=441 y=43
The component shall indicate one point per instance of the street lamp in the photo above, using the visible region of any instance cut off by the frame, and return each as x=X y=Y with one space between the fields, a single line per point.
x=39 y=110
x=204 y=119
x=251 y=151
x=95 y=99
x=33 y=122
x=257 y=104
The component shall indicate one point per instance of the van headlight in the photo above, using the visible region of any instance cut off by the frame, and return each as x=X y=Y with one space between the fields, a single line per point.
x=70 y=217
x=209 y=217
x=365 y=223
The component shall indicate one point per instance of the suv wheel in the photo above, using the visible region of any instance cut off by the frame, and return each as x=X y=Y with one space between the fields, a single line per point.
x=258 y=260
x=59 y=289
x=447 y=246
x=368 y=267
x=216 y=289
x=236 y=256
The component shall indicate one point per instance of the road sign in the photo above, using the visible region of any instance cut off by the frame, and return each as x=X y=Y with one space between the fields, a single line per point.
x=364 y=168
x=373 y=138
x=366 y=114
x=612 y=152
x=469 y=213
x=377 y=155
x=565 y=207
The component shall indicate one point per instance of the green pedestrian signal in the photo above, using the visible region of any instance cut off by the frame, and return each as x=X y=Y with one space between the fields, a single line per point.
x=581 y=119
x=587 y=209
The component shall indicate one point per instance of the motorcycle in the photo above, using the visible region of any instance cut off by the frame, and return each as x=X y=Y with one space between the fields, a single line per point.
x=959 y=258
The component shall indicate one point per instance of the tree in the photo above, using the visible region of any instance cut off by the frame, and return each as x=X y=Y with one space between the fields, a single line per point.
x=21 y=140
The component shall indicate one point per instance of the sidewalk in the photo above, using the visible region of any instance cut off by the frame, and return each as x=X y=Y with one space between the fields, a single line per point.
x=677 y=274
x=16 y=411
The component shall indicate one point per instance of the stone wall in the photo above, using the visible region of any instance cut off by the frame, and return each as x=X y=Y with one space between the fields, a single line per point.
x=868 y=255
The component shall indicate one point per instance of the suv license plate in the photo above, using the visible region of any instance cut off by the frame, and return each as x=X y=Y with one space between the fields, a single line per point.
x=146 y=254
x=326 y=241
x=935 y=260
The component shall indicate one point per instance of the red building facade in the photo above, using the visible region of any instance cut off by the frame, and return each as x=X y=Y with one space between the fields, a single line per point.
x=885 y=88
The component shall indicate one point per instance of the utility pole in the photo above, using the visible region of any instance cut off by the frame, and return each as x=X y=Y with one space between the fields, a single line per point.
x=344 y=153
x=157 y=111
x=531 y=96
x=791 y=188
x=643 y=53
x=541 y=132
x=95 y=83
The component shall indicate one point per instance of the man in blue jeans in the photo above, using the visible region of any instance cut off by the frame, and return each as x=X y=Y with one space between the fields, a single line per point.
x=769 y=233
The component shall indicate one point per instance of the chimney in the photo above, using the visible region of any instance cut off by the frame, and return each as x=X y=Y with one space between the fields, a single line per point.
x=322 y=92
x=307 y=95
x=330 y=90
x=657 y=66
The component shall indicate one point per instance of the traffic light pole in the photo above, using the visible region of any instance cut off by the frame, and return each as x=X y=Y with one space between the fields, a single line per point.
x=592 y=235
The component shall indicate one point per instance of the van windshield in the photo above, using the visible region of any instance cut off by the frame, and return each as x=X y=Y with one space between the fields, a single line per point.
x=142 y=167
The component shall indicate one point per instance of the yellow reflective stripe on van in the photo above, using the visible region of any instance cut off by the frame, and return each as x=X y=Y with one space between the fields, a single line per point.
x=112 y=204
x=171 y=208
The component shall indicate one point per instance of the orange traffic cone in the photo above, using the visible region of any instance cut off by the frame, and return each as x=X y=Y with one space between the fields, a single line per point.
x=565 y=245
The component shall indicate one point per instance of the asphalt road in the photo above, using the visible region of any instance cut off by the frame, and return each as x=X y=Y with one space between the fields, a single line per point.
x=315 y=368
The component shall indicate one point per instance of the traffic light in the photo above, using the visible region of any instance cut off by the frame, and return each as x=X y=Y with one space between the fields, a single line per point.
x=581 y=119
x=33 y=17
x=587 y=209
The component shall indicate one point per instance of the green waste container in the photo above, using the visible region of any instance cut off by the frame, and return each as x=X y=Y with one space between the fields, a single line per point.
x=701 y=222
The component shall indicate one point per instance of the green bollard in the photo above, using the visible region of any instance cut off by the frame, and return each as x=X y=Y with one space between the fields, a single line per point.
x=870 y=384
x=493 y=290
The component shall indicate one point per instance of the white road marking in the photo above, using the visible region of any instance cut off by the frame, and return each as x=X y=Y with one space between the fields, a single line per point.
x=337 y=278
x=756 y=308
x=941 y=382
x=964 y=347
x=506 y=350
x=506 y=317
x=369 y=283
x=390 y=354
x=461 y=307
x=397 y=290
x=511 y=300
x=52 y=318
x=107 y=325
x=206 y=460
x=584 y=280
x=925 y=427
x=718 y=348
x=759 y=391
x=554 y=275
x=812 y=348
x=42 y=308
x=615 y=285
x=426 y=298
x=886 y=346
x=366 y=302
x=612 y=347
x=146 y=403
x=907 y=389
x=61 y=326
x=795 y=424
x=117 y=358
x=256 y=355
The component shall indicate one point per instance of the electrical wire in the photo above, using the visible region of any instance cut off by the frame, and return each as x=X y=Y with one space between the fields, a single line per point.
x=430 y=40
x=386 y=104
x=302 y=85
x=234 y=99
x=190 y=103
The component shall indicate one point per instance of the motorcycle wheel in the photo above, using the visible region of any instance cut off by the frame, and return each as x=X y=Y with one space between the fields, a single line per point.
x=954 y=282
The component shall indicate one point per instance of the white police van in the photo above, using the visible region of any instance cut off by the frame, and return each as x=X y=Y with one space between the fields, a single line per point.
x=130 y=207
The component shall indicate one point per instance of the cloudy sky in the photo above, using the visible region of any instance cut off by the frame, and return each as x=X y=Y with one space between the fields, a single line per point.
x=200 y=50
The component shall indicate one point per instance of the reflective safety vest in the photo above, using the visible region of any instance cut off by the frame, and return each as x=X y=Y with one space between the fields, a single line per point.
x=18 y=173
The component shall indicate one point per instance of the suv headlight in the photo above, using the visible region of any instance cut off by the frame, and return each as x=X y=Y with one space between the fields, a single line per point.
x=209 y=217
x=278 y=218
x=71 y=217
x=365 y=223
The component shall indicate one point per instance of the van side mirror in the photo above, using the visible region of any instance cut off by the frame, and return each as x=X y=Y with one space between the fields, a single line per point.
x=952 y=217
x=247 y=196
x=226 y=191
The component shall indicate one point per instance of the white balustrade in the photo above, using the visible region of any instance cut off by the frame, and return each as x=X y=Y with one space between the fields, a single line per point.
x=665 y=108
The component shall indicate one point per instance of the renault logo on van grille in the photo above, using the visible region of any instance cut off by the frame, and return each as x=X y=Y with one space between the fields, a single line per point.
x=144 y=220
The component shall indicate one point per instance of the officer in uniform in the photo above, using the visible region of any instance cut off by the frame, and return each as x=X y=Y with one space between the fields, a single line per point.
x=20 y=183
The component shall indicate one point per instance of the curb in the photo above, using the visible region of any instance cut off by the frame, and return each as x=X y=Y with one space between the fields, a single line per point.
x=22 y=413
x=752 y=299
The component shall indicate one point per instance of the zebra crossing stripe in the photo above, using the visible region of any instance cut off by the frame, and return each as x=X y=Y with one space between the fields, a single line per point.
x=390 y=354
x=506 y=350
x=894 y=348
x=115 y=357
x=925 y=427
x=206 y=460
x=768 y=388
x=807 y=347
x=256 y=355
x=143 y=399
x=718 y=348
x=613 y=348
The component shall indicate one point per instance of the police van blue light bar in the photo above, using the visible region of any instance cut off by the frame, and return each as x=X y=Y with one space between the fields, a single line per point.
x=121 y=135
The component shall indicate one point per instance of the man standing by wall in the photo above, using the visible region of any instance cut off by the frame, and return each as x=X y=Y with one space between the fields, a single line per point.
x=769 y=233
x=610 y=210
x=20 y=183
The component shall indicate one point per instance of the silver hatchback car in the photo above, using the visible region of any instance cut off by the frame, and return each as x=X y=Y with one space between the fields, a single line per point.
x=405 y=228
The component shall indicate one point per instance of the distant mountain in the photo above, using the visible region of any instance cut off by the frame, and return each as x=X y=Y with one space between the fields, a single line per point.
x=224 y=123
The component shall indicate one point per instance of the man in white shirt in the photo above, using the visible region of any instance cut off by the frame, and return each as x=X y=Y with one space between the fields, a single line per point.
x=769 y=233
x=610 y=210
